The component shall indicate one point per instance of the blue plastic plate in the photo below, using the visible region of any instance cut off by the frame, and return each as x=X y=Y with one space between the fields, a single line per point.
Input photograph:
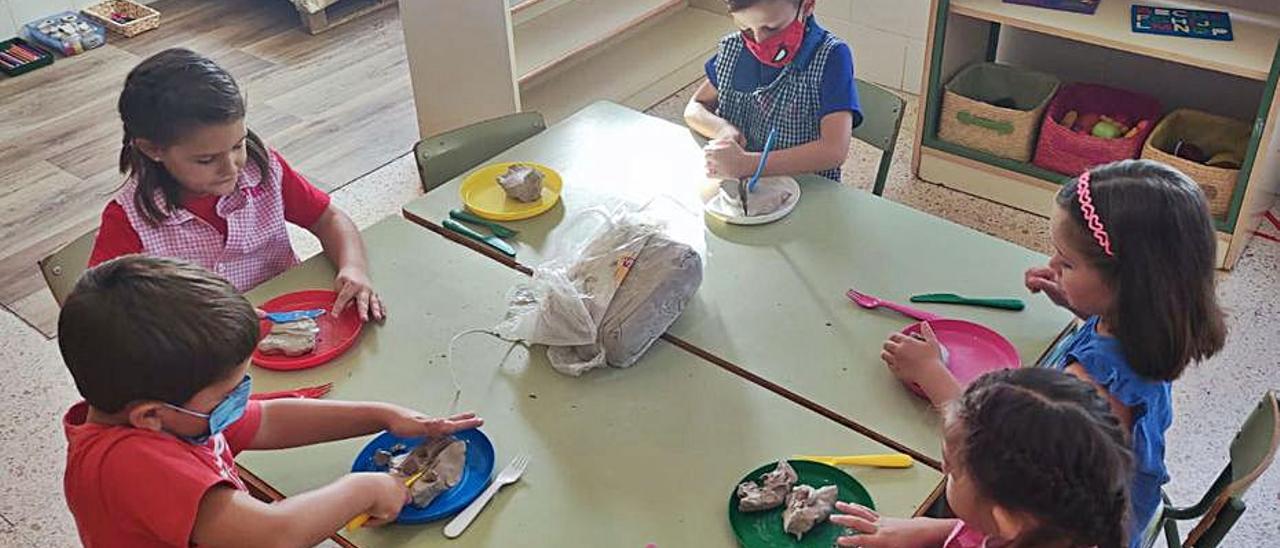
x=475 y=475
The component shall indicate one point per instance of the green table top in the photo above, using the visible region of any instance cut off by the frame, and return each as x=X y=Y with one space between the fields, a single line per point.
x=772 y=300
x=646 y=454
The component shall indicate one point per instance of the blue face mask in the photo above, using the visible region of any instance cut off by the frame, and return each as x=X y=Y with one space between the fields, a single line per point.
x=228 y=411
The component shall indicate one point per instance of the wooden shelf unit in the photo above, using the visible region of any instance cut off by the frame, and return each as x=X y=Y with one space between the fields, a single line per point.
x=1250 y=55
x=627 y=71
x=962 y=32
x=577 y=27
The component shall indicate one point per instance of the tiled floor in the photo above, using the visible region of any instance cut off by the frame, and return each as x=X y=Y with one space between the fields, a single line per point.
x=1211 y=399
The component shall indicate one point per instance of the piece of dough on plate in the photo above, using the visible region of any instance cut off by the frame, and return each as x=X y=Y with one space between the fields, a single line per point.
x=770 y=493
x=807 y=507
x=767 y=198
x=444 y=458
x=291 y=338
x=521 y=183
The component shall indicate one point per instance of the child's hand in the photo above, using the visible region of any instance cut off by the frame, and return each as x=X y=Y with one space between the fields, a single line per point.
x=914 y=360
x=390 y=495
x=726 y=159
x=411 y=424
x=919 y=362
x=1044 y=279
x=353 y=285
x=730 y=133
x=876 y=531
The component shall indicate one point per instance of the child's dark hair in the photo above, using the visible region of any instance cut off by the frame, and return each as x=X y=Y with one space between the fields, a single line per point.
x=164 y=97
x=1040 y=442
x=149 y=328
x=737 y=5
x=1166 y=313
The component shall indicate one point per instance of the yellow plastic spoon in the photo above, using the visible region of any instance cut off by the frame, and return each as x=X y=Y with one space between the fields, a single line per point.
x=892 y=460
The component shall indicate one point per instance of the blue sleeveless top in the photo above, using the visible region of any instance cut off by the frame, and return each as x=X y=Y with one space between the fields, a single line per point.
x=1149 y=400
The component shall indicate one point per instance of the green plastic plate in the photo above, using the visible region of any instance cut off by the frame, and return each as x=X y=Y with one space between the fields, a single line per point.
x=764 y=529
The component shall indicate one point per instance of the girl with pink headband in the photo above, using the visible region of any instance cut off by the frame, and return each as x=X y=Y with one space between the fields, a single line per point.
x=1134 y=250
x=1134 y=258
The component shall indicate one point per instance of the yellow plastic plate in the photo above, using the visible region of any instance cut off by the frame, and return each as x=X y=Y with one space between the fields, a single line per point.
x=482 y=195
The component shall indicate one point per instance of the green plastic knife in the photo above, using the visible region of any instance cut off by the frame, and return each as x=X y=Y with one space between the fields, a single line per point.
x=492 y=241
x=466 y=217
x=952 y=298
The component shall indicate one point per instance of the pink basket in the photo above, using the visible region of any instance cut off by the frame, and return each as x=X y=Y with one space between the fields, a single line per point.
x=1064 y=151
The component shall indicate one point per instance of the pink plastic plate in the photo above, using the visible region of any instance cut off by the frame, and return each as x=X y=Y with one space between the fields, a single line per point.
x=971 y=349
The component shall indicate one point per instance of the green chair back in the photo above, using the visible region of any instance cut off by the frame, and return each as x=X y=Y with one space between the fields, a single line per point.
x=882 y=112
x=447 y=155
x=1254 y=447
x=1252 y=451
x=62 y=269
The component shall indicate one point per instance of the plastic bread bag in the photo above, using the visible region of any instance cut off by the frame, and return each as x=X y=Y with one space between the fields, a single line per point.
x=616 y=280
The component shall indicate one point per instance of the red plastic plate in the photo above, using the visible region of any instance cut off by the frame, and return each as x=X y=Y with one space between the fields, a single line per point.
x=337 y=333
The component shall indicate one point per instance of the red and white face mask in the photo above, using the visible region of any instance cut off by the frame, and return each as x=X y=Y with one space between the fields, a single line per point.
x=781 y=48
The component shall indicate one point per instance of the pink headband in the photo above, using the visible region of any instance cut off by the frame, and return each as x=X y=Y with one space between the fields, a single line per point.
x=1091 y=215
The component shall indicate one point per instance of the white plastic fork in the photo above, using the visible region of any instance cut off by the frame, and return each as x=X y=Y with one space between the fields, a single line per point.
x=867 y=301
x=508 y=476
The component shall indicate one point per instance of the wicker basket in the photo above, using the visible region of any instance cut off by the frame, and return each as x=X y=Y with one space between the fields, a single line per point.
x=144 y=17
x=1070 y=153
x=970 y=119
x=1211 y=134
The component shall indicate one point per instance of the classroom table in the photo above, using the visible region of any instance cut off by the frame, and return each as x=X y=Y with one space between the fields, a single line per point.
x=772 y=304
x=620 y=457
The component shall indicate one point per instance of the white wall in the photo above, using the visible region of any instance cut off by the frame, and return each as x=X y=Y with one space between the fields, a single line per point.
x=16 y=13
x=887 y=37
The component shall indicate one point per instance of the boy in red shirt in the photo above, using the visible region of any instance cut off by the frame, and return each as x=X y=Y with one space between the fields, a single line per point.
x=159 y=350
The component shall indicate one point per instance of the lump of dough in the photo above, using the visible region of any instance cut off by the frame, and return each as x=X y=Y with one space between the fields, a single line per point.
x=291 y=338
x=807 y=507
x=444 y=458
x=771 y=491
x=765 y=199
x=521 y=183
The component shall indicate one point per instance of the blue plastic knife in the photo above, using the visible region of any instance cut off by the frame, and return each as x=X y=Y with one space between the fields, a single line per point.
x=764 y=157
x=295 y=315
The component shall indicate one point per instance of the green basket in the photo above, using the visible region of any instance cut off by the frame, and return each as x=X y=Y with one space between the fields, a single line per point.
x=1210 y=133
x=971 y=119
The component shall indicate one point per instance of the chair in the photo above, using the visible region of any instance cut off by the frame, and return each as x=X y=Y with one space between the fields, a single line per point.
x=881 y=119
x=62 y=269
x=447 y=155
x=1252 y=451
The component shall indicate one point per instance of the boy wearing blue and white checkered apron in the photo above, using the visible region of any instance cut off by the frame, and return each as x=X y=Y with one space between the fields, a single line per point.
x=781 y=71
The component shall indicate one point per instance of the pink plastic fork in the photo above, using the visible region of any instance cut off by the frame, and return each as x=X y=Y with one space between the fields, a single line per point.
x=869 y=302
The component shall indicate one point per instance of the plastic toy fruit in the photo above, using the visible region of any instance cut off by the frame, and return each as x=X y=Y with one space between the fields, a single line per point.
x=1069 y=119
x=1225 y=160
x=1085 y=123
x=1120 y=121
x=1189 y=152
x=1106 y=130
x=1137 y=128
